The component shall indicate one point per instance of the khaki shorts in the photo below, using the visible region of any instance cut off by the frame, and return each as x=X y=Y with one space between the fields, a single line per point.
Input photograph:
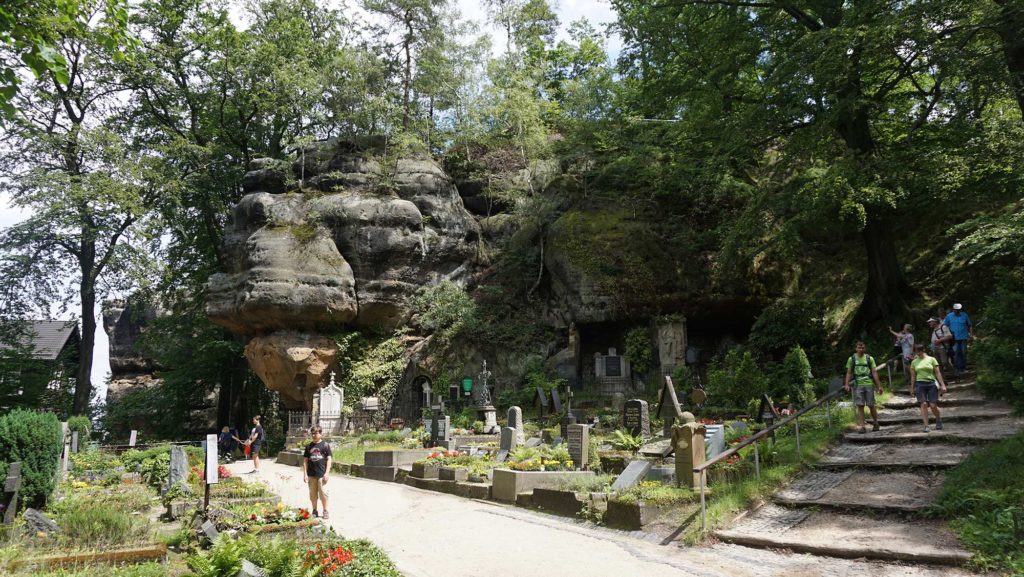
x=864 y=395
x=316 y=489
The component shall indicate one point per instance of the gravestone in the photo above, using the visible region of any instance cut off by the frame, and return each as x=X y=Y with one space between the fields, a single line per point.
x=688 y=442
x=501 y=457
x=179 y=467
x=556 y=442
x=556 y=400
x=634 y=473
x=250 y=569
x=636 y=418
x=668 y=405
x=515 y=420
x=714 y=440
x=209 y=529
x=74 y=441
x=660 y=447
x=739 y=427
x=440 y=430
x=671 y=344
x=508 y=439
x=533 y=442
x=12 y=486
x=331 y=401
x=568 y=419
x=132 y=438
x=579 y=445
x=36 y=522
x=542 y=402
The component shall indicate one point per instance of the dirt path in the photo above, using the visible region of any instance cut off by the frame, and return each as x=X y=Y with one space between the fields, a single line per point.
x=430 y=534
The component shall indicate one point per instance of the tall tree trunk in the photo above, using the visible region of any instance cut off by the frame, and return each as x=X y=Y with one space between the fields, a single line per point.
x=885 y=296
x=407 y=81
x=87 y=292
x=1010 y=27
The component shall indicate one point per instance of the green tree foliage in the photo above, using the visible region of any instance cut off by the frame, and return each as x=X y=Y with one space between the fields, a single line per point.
x=87 y=184
x=999 y=352
x=30 y=37
x=736 y=382
x=33 y=439
x=819 y=112
x=444 y=309
x=82 y=425
x=639 y=350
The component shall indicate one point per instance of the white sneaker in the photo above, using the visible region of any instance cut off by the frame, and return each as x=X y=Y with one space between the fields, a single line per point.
x=926 y=429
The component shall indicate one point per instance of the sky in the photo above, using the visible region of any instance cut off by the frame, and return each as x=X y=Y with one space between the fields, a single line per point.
x=598 y=12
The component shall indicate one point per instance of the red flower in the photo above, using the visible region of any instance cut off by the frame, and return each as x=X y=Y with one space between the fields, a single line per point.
x=252 y=517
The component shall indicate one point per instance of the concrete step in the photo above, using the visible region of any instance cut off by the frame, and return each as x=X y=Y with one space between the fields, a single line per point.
x=978 y=431
x=989 y=410
x=899 y=492
x=894 y=456
x=831 y=534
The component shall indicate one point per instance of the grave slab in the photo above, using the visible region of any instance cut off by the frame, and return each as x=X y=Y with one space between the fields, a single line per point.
x=849 y=536
x=899 y=491
x=660 y=447
x=634 y=473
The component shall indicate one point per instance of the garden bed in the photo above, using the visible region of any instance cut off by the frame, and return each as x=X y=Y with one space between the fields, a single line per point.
x=135 y=555
x=507 y=484
x=558 y=501
x=632 y=515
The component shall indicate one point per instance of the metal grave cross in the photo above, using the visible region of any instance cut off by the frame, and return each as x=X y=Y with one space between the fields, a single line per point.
x=12 y=485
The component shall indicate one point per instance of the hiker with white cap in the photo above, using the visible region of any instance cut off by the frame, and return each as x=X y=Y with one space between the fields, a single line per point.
x=942 y=342
x=960 y=324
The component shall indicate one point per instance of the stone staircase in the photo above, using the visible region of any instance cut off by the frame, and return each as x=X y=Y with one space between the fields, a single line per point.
x=862 y=498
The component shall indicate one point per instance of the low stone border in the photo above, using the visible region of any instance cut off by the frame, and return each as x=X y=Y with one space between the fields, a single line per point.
x=138 y=555
x=457 y=488
x=631 y=516
x=281 y=527
x=557 y=501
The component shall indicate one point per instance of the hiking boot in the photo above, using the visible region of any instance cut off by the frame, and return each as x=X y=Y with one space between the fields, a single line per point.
x=875 y=428
x=926 y=429
x=862 y=430
x=938 y=425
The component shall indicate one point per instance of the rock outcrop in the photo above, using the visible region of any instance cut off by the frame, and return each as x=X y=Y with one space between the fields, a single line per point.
x=349 y=246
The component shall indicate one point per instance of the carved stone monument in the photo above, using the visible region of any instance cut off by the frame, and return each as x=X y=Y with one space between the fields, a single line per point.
x=671 y=344
x=515 y=420
x=488 y=414
x=329 y=402
x=688 y=442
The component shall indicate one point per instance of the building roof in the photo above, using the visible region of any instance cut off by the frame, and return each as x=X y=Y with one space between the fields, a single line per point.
x=48 y=338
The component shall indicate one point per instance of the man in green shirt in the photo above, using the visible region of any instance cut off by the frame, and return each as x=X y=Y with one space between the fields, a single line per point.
x=924 y=373
x=862 y=369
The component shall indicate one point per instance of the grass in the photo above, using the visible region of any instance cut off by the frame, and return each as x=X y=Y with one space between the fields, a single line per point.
x=657 y=494
x=980 y=498
x=586 y=484
x=356 y=453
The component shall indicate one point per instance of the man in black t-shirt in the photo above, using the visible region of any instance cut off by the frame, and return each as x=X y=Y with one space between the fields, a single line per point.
x=255 y=441
x=316 y=466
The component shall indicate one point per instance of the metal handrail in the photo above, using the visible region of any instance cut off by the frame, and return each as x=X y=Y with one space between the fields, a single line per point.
x=702 y=469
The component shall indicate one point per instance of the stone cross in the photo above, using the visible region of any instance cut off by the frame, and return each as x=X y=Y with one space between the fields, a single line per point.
x=688 y=442
x=12 y=485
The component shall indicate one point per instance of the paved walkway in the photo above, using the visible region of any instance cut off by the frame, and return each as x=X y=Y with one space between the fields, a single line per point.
x=431 y=534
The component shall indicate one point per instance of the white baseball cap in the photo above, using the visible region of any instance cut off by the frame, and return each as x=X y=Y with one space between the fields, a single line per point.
x=957 y=306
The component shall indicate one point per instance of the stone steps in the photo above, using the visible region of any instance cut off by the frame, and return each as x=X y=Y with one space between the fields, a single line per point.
x=982 y=430
x=894 y=455
x=905 y=416
x=960 y=399
x=831 y=534
x=904 y=491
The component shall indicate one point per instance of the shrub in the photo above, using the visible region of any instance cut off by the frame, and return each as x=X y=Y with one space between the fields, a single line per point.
x=82 y=425
x=92 y=524
x=793 y=380
x=788 y=323
x=736 y=382
x=981 y=496
x=1000 y=360
x=638 y=350
x=34 y=439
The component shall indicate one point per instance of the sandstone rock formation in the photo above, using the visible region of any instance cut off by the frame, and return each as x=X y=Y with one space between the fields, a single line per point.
x=349 y=246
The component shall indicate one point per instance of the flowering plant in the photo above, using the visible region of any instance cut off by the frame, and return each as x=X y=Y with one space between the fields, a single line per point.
x=223 y=473
x=279 y=514
x=328 y=559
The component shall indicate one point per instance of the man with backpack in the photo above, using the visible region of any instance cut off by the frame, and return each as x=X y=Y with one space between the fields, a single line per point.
x=862 y=369
x=942 y=342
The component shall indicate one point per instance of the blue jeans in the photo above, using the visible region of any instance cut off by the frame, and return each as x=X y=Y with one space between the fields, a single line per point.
x=960 y=355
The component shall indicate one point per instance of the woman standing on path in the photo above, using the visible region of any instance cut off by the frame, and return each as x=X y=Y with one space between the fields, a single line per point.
x=923 y=374
x=254 y=442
